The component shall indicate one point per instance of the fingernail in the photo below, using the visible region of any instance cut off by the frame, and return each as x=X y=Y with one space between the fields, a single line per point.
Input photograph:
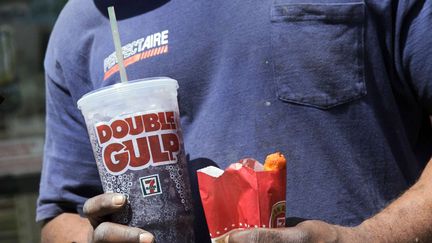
x=146 y=238
x=118 y=200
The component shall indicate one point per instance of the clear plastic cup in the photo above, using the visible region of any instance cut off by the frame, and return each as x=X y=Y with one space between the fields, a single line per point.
x=134 y=129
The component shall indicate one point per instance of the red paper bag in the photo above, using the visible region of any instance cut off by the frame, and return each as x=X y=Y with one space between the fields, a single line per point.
x=241 y=197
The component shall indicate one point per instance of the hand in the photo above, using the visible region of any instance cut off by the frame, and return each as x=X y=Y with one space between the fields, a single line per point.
x=311 y=231
x=98 y=208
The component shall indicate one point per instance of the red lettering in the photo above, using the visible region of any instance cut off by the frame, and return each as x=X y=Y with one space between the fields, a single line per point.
x=143 y=156
x=135 y=125
x=151 y=122
x=141 y=150
x=121 y=159
x=164 y=124
x=104 y=133
x=119 y=128
x=170 y=119
x=170 y=143
x=156 y=151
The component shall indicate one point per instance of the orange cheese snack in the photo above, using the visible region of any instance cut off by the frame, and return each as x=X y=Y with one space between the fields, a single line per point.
x=275 y=161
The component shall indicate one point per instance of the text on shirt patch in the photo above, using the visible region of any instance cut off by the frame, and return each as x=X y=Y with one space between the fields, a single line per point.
x=143 y=48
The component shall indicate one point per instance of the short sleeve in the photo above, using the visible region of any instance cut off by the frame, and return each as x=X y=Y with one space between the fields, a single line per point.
x=413 y=44
x=69 y=175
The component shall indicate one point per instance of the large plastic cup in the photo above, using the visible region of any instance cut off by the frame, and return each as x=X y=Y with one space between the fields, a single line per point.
x=134 y=129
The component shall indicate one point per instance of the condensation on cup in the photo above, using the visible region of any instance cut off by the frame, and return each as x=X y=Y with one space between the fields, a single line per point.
x=135 y=132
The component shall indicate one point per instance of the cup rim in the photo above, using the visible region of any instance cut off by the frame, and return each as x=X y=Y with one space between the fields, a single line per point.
x=121 y=87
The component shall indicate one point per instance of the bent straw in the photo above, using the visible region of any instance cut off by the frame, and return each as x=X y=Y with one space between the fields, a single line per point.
x=117 y=44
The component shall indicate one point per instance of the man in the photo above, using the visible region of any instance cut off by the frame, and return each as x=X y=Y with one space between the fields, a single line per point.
x=341 y=87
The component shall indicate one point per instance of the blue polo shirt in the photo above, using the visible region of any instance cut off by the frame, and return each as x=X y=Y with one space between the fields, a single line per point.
x=341 y=87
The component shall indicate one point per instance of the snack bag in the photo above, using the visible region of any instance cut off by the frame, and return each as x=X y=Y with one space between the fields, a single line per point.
x=245 y=195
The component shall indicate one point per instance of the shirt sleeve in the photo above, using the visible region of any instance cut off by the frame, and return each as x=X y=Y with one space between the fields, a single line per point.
x=69 y=173
x=413 y=43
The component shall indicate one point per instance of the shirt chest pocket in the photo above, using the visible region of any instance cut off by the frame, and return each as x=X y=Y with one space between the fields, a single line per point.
x=318 y=54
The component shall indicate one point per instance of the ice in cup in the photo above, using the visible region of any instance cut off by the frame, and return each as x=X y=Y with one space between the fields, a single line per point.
x=134 y=129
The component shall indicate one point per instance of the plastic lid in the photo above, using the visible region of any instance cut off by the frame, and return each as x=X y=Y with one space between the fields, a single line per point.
x=106 y=92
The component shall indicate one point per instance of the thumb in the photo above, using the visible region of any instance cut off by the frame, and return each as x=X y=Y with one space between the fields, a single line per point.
x=248 y=236
x=265 y=236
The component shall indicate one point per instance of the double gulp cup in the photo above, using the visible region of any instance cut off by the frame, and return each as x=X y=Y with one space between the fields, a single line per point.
x=134 y=129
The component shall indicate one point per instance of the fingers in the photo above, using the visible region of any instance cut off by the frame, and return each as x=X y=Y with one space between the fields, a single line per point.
x=255 y=235
x=267 y=235
x=110 y=232
x=307 y=231
x=98 y=207
x=102 y=205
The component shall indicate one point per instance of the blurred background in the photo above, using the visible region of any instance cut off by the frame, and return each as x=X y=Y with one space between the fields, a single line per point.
x=25 y=26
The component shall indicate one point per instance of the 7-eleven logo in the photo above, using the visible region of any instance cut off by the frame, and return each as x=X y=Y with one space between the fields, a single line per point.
x=150 y=185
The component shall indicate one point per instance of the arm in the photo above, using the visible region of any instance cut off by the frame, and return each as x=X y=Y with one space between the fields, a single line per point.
x=408 y=219
x=67 y=227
